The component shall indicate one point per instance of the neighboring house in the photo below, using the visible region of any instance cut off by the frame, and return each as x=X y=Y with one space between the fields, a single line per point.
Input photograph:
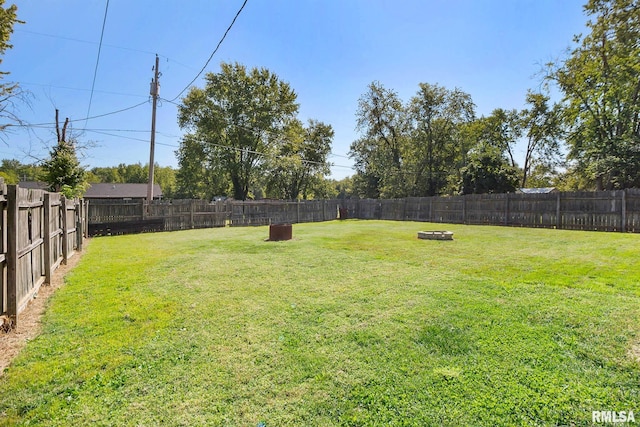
x=121 y=191
x=540 y=190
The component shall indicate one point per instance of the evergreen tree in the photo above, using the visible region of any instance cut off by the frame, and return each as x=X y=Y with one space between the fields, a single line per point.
x=62 y=171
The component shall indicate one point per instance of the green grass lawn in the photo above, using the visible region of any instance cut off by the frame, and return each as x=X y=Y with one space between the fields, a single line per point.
x=352 y=323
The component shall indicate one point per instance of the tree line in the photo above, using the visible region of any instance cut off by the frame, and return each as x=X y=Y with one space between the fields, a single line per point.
x=434 y=144
x=243 y=137
x=242 y=130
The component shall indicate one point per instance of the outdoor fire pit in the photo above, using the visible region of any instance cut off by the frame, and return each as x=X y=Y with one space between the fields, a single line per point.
x=279 y=232
x=435 y=235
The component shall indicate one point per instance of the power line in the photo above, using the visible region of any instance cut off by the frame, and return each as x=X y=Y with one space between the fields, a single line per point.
x=79 y=120
x=214 y=51
x=244 y=150
x=82 y=90
x=105 y=45
x=267 y=131
x=95 y=71
x=226 y=147
x=109 y=114
x=119 y=136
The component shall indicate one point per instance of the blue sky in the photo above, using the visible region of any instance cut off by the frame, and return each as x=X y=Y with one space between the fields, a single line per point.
x=329 y=51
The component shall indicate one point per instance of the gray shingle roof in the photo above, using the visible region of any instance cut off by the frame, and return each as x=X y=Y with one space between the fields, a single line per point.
x=33 y=185
x=121 y=191
x=539 y=190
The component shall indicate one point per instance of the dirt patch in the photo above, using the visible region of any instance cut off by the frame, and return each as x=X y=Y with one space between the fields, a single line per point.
x=634 y=352
x=29 y=320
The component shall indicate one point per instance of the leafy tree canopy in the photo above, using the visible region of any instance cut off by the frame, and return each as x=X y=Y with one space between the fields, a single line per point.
x=62 y=170
x=488 y=171
x=412 y=149
x=231 y=123
x=600 y=81
x=165 y=177
x=8 y=91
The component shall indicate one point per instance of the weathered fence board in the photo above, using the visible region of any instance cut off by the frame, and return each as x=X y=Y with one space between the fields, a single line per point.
x=3 y=248
x=604 y=210
x=104 y=215
x=39 y=231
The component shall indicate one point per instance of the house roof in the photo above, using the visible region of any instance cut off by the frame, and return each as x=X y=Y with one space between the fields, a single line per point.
x=540 y=190
x=33 y=185
x=121 y=191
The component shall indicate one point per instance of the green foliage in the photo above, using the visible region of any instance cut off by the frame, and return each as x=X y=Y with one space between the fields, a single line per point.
x=232 y=123
x=8 y=91
x=542 y=128
x=299 y=162
x=343 y=189
x=543 y=175
x=8 y=17
x=14 y=171
x=382 y=119
x=410 y=150
x=502 y=130
x=438 y=150
x=488 y=171
x=136 y=174
x=197 y=177
x=63 y=171
x=602 y=97
x=165 y=177
x=501 y=327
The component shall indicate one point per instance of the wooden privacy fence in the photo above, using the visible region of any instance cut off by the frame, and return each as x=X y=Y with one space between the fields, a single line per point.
x=40 y=230
x=603 y=210
x=108 y=217
x=599 y=211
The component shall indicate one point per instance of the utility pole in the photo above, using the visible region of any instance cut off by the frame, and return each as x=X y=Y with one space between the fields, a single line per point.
x=154 y=92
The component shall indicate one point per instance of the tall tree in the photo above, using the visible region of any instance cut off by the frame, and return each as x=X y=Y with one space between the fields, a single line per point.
x=62 y=171
x=541 y=125
x=300 y=160
x=234 y=119
x=601 y=85
x=437 y=150
x=502 y=129
x=8 y=91
x=197 y=178
x=382 y=120
x=488 y=171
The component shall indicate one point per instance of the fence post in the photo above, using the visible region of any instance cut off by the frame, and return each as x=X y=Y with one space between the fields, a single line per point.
x=4 y=234
x=431 y=209
x=558 y=213
x=404 y=209
x=464 y=209
x=65 y=229
x=12 y=253
x=623 y=212
x=47 y=237
x=191 y=209
x=506 y=209
x=85 y=213
x=78 y=215
x=298 y=211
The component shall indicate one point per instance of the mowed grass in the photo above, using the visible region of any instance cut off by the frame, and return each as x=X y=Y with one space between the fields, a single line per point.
x=352 y=323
